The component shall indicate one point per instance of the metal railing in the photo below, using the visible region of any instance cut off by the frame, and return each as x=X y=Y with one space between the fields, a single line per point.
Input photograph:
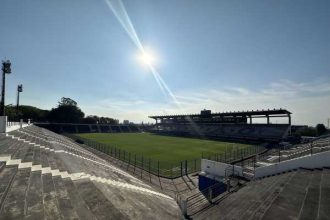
x=196 y=202
x=12 y=123
x=155 y=167
x=234 y=156
x=280 y=154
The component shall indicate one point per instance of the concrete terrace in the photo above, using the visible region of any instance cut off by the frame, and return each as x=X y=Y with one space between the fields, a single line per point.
x=45 y=176
x=300 y=194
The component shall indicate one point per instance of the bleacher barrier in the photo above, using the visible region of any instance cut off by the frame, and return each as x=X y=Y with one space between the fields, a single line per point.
x=8 y=126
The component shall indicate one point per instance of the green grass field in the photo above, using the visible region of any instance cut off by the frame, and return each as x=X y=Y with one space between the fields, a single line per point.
x=162 y=148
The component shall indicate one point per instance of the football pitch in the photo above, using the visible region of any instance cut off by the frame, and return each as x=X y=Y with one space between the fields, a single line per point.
x=163 y=148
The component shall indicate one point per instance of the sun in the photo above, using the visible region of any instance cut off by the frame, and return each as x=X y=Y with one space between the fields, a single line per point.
x=147 y=58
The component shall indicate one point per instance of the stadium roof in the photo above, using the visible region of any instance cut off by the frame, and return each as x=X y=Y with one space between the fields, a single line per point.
x=269 y=112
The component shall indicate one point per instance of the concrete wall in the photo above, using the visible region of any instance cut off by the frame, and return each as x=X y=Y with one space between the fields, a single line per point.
x=217 y=168
x=318 y=160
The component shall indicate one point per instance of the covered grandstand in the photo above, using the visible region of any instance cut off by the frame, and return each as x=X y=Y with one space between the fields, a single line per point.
x=226 y=125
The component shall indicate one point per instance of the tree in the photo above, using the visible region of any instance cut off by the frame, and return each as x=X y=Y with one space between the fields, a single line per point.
x=320 y=129
x=66 y=112
x=33 y=113
x=26 y=112
x=67 y=102
x=90 y=120
x=307 y=131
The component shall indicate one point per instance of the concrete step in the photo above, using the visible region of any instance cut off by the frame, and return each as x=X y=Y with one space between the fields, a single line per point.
x=324 y=207
x=7 y=175
x=14 y=203
x=290 y=201
x=64 y=202
x=96 y=201
x=311 y=202
x=5 y=144
x=83 y=211
x=255 y=197
x=50 y=202
x=34 y=197
x=261 y=205
x=13 y=147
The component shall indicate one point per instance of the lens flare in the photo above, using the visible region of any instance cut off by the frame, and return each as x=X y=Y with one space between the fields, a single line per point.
x=118 y=9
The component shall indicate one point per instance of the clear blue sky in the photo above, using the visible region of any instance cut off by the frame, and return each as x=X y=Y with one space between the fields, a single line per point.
x=219 y=55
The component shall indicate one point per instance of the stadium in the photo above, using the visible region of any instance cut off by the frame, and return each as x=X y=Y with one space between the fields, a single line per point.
x=227 y=123
x=77 y=174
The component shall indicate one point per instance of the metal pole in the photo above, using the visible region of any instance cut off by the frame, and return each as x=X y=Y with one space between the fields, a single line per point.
x=195 y=165
x=279 y=155
x=149 y=166
x=149 y=169
x=17 y=104
x=186 y=170
x=134 y=162
x=158 y=167
x=3 y=91
x=181 y=168
x=142 y=167
x=171 y=170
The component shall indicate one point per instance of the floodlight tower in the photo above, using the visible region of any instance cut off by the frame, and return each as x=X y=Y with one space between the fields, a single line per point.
x=5 y=70
x=19 y=90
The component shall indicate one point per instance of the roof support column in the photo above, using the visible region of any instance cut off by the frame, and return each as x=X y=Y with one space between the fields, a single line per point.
x=267 y=119
x=289 y=117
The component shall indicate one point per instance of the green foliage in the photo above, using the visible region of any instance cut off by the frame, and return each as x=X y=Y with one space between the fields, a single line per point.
x=93 y=119
x=89 y=120
x=10 y=111
x=321 y=129
x=30 y=112
x=307 y=131
x=26 y=112
x=67 y=111
x=67 y=102
x=66 y=114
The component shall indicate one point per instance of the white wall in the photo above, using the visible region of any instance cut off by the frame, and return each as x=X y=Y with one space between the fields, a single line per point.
x=318 y=160
x=217 y=168
x=6 y=126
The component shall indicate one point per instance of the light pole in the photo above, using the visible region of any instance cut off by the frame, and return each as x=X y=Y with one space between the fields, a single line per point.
x=5 y=70
x=19 y=90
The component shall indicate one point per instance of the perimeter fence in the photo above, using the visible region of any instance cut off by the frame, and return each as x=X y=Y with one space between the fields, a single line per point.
x=163 y=168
